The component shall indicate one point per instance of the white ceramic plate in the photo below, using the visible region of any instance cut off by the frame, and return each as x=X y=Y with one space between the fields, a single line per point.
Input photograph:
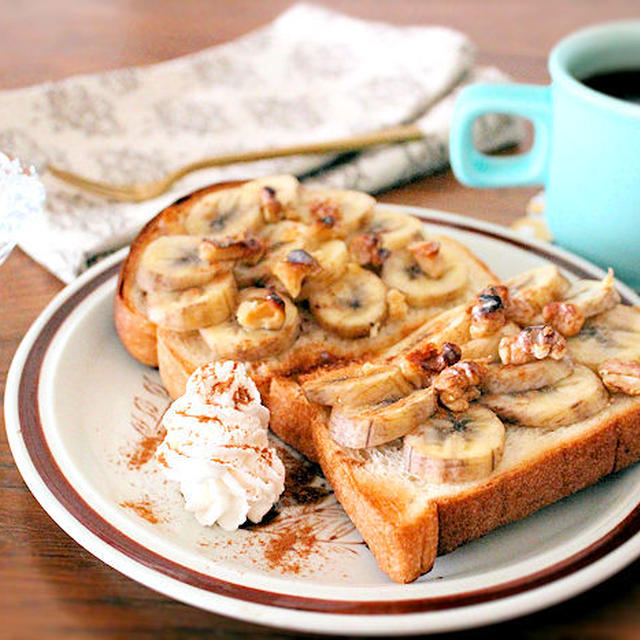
x=82 y=416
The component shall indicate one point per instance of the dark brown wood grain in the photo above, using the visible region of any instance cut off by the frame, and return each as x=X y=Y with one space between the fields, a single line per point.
x=49 y=586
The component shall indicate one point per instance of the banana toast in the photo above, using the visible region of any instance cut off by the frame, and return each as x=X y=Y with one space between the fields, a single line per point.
x=479 y=418
x=284 y=278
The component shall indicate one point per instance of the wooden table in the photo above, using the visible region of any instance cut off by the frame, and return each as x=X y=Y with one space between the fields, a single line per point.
x=51 y=587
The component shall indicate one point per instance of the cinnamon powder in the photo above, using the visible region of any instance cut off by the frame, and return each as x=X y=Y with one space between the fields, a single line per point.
x=287 y=548
x=146 y=448
x=143 y=508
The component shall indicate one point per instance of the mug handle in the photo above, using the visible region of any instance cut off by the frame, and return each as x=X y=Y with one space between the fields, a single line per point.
x=480 y=170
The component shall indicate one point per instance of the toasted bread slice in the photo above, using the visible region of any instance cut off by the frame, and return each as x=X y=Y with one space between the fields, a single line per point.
x=406 y=522
x=153 y=339
x=406 y=519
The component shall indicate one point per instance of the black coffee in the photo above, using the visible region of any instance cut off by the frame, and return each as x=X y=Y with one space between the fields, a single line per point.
x=624 y=85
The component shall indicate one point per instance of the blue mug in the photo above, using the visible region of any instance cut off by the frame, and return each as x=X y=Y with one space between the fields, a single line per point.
x=586 y=149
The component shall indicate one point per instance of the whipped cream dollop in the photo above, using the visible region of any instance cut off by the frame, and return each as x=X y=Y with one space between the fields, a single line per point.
x=218 y=450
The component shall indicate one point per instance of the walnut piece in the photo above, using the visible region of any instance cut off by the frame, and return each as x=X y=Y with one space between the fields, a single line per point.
x=292 y=271
x=458 y=385
x=429 y=257
x=367 y=249
x=422 y=363
x=564 y=316
x=262 y=313
x=396 y=304
x=248 y=248
x=488 y=311
x=272 y=209
x=620 y=376
x=533 y=343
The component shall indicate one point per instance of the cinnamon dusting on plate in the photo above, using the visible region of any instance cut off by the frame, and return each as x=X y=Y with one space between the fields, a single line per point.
x=142 y=508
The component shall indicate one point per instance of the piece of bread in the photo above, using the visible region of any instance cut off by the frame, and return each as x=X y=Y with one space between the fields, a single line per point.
x=178 y=351
x=407 y=520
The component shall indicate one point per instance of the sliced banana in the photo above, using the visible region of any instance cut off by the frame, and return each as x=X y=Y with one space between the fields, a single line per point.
x=396 y=230
x=592 y=297
x=224 y=214
x=572 y=399
x=230 y=340
x=335 y=213
x=531 y=290
x=391 y=418
x=612 y=334
x=401 y=271
x=512 y=378
x=357 y=385
x=455 y=447
x=351 y=306
x=195 y=307
x=174 y=262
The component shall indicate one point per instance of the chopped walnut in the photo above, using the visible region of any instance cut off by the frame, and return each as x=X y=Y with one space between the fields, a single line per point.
x=564 y=316
x=428 y=256
x=396 y=304
x=297 y=265
x=488 y=311
x=248 y=248
x=272 y=209
x=533 y=343
x=420 y=365
x=620 y=376
x=262 y=313
x=458 y=385
x=327 y=219
x=367 y=249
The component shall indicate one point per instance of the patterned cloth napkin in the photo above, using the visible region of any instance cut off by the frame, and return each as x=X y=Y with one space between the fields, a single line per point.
x=310 y=75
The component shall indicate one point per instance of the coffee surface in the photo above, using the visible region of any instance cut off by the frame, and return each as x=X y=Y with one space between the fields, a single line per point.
x=624 y=84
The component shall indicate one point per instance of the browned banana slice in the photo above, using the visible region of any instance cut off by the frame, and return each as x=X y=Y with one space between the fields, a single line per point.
x=512 y=378
x=455 y=447
x=356 y=385
x=264 y=333
x=351 y=306
x=224 y=214
x=401 y=271
x=575 y=397
x=174 y=262
x=391 y=418
x=396 y=230
x=195 y=307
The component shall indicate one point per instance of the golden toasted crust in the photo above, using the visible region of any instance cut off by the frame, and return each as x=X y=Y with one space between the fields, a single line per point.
x=292 y=415
x=403 y=527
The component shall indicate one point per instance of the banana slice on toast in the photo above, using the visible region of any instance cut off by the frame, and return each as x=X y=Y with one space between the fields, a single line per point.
x=455 y=447
x=612 y=334
x=193 y=308
x=402 y=271
x=573 y=398
x=388 y=419
x=351 y=306
x=175 y=262
x=396 y=230
x=266 y=323
x=356 y=385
